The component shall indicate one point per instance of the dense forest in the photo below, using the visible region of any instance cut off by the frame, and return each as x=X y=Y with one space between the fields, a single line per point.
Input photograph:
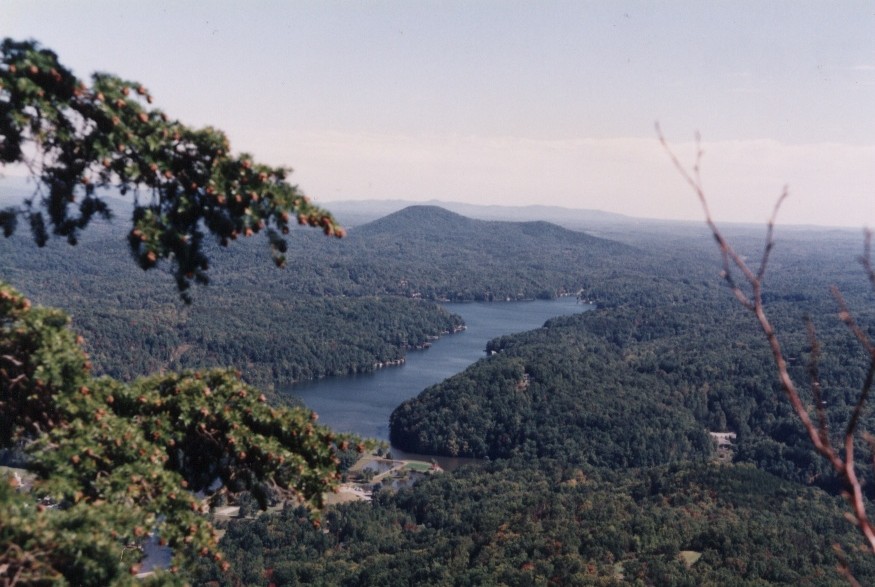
x=597 y=463
x=524 y=523
x=339 y=307
x=599 y=387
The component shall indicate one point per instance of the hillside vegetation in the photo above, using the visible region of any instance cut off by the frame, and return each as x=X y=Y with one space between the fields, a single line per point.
x=638 y=381
x=339 y=307
x=596 y=426
x=579 y=420
x=517 y=523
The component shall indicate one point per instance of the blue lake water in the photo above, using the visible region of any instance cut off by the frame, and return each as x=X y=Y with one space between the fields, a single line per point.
x=361 y=404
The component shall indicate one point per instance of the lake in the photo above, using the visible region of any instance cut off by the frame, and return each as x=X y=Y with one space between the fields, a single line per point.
x=361 y=404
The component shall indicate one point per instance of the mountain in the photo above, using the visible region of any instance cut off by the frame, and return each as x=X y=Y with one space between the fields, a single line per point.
x=433 y=224
x=429 y=252
x=603 y=416
x=351 y=303
x=358 y=212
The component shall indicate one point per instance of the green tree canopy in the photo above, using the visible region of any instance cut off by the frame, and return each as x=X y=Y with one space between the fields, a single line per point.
x=114 y=462
x=77 y=139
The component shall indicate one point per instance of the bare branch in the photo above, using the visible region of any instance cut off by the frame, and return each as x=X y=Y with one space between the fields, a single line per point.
x=770 y=230
x=11 y=359
x=843 y=568
x=818 y=434
x=814 y=377
x=730 y=257
x=848 y=319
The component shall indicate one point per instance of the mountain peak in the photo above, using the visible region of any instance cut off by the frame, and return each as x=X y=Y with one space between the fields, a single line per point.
x=422 y=218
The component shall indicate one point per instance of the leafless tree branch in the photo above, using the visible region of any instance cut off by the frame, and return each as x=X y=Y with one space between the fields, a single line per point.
x=842 y=463
x=843 y=568
x=814 y=376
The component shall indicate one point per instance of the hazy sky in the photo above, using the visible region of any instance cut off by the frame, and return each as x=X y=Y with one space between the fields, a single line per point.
x=511 y=102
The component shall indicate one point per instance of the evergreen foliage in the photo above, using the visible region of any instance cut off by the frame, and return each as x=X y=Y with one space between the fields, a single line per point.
x=122 y=461
x=116 y=462
x=77 y=138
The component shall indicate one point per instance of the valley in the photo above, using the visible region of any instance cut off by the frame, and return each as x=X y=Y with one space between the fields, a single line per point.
x=592 y=433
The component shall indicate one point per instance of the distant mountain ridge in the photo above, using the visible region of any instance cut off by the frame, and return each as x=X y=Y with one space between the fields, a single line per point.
x=434 y=217
x=420 y=219
x=418 y=253
x=358 y=212
x=433 y=228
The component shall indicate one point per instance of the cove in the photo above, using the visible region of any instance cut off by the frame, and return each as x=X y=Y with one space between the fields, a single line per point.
x=361 y=404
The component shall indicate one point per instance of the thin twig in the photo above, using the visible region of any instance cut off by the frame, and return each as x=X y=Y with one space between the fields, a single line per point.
x=814 y=377
x=848 y=319
x=818 y=434
x=843 y=568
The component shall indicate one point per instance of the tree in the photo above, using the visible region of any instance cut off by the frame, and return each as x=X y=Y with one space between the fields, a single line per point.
x=115 y=462
x=77 y=139
x=738 y=275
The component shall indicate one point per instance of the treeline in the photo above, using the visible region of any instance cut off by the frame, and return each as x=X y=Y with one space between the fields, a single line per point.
x=578 y=420
x=513 y=523
x=271 y=341
x=430 y=253
x=668 y=354
x=596 y=425
x=341 y=306
x=567 y=399
x=639 y=381
x=421 y=251
x=134 y=323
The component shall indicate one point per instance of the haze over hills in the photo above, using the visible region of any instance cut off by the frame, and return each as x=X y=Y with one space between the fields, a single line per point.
x=420 y=252
x=626 y=228
x=430 y=224
x=352 y=213
x=358 y=212
x=612 y=407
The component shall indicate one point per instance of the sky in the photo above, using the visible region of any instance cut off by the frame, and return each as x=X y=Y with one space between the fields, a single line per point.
x=511 y=102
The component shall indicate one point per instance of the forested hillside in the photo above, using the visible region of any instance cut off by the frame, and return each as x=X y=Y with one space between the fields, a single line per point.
x=428 y=252
x=556 y=395
x=639 y=380
x=579 y=419
x=516 y=523
x=339 y=307
x=600 y=471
